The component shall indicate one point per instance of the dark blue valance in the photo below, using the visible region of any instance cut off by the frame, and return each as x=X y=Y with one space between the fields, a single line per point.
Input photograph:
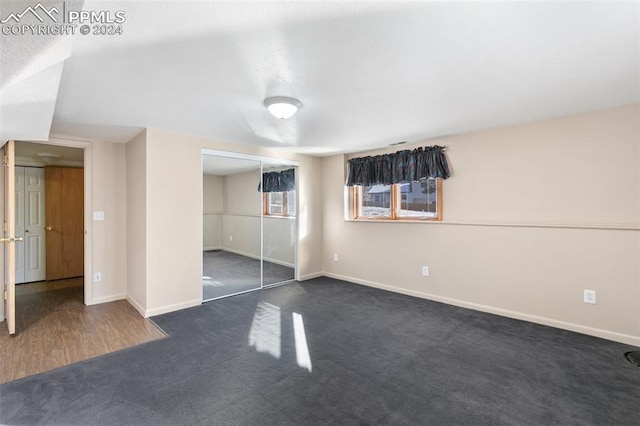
x=400 y=167
x=278 y=181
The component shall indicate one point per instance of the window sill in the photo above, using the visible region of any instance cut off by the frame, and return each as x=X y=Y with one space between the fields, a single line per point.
x=268 y=216
x=383 y=219
x=605 y=226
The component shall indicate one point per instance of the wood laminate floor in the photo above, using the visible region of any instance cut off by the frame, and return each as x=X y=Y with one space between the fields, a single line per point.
x=54 y=328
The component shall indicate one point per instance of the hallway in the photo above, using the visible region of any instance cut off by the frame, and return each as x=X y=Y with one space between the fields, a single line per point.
x=54 y=328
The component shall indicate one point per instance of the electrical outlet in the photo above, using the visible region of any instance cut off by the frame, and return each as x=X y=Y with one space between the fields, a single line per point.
x=97 y=277
x=425 y=271
x=590 y=296
x=230 y=237
x=98 y=216
x=335 y=257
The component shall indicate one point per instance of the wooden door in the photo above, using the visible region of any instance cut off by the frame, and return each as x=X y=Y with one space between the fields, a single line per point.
x=64 y=212
x=9 y=239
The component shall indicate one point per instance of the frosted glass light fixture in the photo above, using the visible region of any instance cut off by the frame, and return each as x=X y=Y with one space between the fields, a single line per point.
x=282 y=107
x=47 y=158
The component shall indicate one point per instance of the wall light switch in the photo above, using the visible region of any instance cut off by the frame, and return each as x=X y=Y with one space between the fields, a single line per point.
x=98 y=216
x=590 y=296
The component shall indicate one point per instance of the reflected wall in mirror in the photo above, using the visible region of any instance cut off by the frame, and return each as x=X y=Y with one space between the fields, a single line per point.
x=231 y=261
x=249 y=229
x=279 y=223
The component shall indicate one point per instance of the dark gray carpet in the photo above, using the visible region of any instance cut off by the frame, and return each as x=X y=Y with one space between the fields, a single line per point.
x=227 y=273
x=376 y=358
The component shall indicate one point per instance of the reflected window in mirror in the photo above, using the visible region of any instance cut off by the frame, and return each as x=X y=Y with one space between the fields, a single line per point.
x=281 y=204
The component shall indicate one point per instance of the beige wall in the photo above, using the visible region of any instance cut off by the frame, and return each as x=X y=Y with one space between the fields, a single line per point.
x=310 y=217
x=279 y=240
x=212 y=194
x=241 y=196
x=242 y=210
x=572 y=187
x=241 y=235
x=212 y=208
x=136 y=249
x=109 y=254
x=174 y=223
x=174 y=265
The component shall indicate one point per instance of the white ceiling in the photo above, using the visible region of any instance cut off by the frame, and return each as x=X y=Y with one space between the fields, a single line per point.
x=367 y=73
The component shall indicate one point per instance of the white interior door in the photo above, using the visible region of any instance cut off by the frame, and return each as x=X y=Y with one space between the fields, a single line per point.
x=9 y=240
x=20 y=216
x=34 y=223
x=30 y=257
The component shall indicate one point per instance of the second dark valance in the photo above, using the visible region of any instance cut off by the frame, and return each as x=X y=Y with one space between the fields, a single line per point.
x=400 y=167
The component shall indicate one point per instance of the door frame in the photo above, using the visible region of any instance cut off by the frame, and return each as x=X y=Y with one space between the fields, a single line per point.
x=9 y=248
x=88 y=209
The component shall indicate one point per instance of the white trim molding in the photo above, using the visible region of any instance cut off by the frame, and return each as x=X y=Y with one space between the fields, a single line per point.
x=170 y=308
x=591 y=331
x=138 y=307
x=105 y=299
x=212 y=248
x=314 y=275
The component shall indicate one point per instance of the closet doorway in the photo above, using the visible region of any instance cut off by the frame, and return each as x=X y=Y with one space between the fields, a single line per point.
x=249 y=223
x=49 y=200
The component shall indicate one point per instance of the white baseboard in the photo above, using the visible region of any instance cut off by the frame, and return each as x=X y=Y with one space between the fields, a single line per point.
x=241 y=253
x=279 y=262
x=138 y=307
x=170 y=308
x=257 y=257
x=591 y=331
x=106 y=299
x=312 y=276
x=212 y=248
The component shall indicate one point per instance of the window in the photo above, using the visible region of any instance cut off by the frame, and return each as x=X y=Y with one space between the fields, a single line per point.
x=276 y=202
x=281 y=204
x=374 y=201
x=420 y=200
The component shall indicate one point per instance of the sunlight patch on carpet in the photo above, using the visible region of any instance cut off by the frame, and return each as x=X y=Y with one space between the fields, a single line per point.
x=264 y=334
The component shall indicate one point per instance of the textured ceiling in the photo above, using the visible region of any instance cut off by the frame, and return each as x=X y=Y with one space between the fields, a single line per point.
x=30 y=72
x=367 y=73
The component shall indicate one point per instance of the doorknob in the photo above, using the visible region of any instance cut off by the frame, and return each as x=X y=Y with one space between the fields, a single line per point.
x=11 y=240
x=49 y=228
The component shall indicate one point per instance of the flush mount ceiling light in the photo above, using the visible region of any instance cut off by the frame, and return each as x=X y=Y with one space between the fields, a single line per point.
x=47 y=158
x=282 y=107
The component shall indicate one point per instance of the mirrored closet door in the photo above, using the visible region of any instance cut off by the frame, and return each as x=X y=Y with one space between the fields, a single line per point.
x=278 y=223
x=249 y=223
